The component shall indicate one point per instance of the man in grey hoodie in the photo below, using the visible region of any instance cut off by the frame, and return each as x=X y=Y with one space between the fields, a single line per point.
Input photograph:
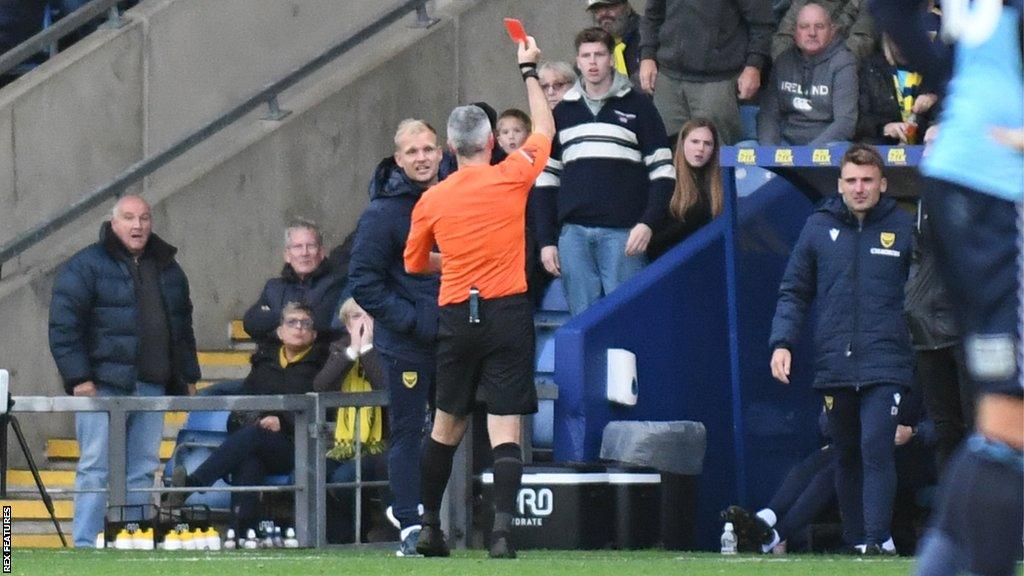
x=811 y=96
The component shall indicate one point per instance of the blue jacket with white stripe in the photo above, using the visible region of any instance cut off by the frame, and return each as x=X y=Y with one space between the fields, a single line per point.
x=856 y=271
x=612 y=170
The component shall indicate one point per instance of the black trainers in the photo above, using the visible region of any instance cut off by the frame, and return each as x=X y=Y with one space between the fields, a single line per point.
x=876 y=550
x=752 y=533
x=431 y=542
x=501 y=546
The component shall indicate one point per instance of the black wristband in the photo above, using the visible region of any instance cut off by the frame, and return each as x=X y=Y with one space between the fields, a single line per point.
x=531 y=73
x=525 y=65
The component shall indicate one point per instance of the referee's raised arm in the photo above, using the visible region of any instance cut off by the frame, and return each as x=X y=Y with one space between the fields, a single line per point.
x=540 y=112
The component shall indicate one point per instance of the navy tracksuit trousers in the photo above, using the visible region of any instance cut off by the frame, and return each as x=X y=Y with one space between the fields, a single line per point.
x=863 y=425
x=410 y=385
x=807 y=491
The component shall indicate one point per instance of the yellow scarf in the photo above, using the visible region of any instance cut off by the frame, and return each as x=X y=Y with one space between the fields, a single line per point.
x=620 y=57
x=907 y=92
x=283 y=360
x=371 y=421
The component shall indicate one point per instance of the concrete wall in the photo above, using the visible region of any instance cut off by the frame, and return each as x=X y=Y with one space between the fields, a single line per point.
x=224 y=205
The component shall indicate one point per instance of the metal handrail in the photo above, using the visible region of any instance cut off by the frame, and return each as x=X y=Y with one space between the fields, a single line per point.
x=266 y=96
x=53 y=34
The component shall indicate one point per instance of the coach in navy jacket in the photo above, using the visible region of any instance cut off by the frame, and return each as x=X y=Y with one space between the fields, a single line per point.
x=857 y=278
x=403 y=307
x=853 y=257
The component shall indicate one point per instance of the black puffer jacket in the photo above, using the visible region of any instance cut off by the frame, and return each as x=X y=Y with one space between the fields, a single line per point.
x=928 y=309
x=94 y=316
x=320 y=291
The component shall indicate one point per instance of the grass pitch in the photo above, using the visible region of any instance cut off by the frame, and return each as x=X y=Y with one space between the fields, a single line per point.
x=468 y=563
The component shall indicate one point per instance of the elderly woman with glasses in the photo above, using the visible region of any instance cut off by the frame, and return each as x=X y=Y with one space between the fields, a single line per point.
x=261 y=443
x=555 y=79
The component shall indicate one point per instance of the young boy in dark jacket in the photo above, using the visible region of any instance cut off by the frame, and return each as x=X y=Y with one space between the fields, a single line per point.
x=853 y=257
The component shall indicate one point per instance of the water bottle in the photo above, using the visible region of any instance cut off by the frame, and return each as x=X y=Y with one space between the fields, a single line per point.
x=728 y=539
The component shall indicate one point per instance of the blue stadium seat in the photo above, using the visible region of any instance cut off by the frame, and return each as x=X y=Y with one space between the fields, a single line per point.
x=544 y=425
x=216 y=421
x=554 y=297
x=545 y=354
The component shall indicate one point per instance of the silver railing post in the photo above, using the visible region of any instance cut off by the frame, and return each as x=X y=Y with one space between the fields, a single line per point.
x=305 y=531
x=423 y=19
x=274 y=111
x=117 y=448
x=114 y=19
x=318 y=493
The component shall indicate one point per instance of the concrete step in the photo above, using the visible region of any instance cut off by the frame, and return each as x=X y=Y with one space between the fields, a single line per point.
x=224 y=364
x=67 y=449
x=23 y=541
x=41 y=528
x=36 y=510
x=240 y=339
x=17 y=479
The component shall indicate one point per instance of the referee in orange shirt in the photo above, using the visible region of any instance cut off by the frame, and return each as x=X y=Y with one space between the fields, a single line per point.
x=477 y=217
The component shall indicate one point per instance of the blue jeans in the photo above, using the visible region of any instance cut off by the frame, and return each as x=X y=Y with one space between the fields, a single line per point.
x=143 y=458
x=594 y=263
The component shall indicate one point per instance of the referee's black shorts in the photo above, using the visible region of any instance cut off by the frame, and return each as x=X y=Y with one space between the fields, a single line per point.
x=495 y=355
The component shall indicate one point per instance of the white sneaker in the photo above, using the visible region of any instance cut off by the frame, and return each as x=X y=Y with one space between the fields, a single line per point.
x=390 y=514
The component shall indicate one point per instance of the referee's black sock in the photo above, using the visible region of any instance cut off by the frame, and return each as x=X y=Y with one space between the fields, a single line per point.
x=435 y=468
x=508 y=474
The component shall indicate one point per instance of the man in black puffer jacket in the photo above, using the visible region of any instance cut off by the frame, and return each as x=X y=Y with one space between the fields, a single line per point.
x=940 y=373
x=307 y=278
x=403 y=306
x=121 y=325
x=853 y=257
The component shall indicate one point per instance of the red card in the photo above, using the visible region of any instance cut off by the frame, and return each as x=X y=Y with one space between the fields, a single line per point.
x=515 y=30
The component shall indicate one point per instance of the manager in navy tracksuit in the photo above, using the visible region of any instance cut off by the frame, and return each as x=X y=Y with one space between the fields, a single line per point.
x=853 y=256
x=403 y=306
